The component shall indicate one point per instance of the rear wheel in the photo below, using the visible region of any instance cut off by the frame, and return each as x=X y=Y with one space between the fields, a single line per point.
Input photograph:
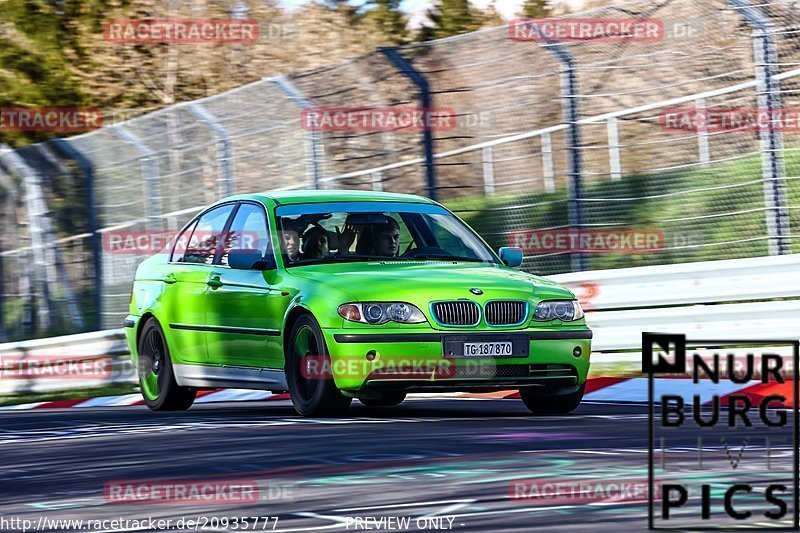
x=551 y=405
x=156 y=377
x=313 y=393
x=386 y=399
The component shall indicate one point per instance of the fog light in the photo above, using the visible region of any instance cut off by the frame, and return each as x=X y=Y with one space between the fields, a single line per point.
x=577 y=351
x=371 y=355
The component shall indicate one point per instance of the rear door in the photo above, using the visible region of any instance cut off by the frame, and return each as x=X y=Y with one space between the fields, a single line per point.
x=242 y=329
x=191 y=265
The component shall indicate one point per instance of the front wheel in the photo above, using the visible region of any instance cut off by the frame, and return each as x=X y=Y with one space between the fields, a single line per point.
x=156 y=377
x=385 y=400
x=313 y=393
x=551 y=405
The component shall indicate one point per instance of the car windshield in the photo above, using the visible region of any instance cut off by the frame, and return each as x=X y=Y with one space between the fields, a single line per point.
x=368 y=231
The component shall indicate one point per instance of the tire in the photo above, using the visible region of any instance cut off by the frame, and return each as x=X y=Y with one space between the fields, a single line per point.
x=552 y=405
x=319 y=395
x=387 y=399
x=156 y=377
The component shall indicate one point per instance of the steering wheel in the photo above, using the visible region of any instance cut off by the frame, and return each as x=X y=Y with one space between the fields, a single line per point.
x=424 y=250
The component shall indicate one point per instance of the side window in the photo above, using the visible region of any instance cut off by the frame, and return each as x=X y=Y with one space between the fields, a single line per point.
x=182 y=242
x=248 y=230
x=202 y=245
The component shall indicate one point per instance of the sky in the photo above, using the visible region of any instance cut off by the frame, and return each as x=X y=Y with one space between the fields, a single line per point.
x=416 y=9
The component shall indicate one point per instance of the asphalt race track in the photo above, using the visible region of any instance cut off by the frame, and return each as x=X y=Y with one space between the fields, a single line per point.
x=444 y=464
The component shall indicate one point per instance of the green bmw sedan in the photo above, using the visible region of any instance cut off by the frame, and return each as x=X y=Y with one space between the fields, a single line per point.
x=335 y=295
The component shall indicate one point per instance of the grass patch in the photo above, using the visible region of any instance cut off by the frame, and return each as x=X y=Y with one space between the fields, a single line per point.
x=704 y=213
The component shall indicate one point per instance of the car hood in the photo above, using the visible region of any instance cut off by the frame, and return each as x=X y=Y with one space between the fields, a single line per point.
x=421 y=282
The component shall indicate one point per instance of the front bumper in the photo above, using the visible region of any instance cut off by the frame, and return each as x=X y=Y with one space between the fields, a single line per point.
x=416 y=362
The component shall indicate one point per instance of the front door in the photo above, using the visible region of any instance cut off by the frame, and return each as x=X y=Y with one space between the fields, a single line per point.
x=240 y=330
x=187 y=284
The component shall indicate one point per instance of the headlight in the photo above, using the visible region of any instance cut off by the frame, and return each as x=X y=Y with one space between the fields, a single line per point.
x=381 y=312
x=566 y=310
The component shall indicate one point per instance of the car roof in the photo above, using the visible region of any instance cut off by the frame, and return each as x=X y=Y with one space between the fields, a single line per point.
x=316 y=196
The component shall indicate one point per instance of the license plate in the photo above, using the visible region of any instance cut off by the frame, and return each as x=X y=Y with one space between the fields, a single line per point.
x=488 y=349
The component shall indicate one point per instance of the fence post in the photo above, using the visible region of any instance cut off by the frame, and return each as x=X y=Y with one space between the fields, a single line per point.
x=95 y=241
x=149 y=173
x=547 y=163
x=488 y=171
x=377 y=181
x=41 y=273
x=769 y=101
x=703 y=150
x=422 y=84
x=613 y=149
x=570 y=95
x=315 y=150
x=225 y=179
x=9 y=192
x=41 y=234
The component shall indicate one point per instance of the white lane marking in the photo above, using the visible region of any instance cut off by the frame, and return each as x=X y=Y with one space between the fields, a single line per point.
x=596 y=452
x=398 y=505
x=334 y=518
x=447 y=510
x=315 y=528
x=70 y=503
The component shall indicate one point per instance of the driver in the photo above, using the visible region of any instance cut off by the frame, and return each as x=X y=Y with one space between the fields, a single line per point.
x=387 y=238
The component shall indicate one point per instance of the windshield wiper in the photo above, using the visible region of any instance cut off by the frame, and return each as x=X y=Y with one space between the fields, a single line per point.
x=334 y=259
x=447 y=258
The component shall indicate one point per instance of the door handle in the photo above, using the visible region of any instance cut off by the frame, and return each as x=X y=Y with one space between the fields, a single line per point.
x=214 y=282
x=169 y=279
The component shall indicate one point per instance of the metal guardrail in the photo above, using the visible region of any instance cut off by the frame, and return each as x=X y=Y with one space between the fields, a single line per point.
x=712 y=282
x=754 y=298
x=108 y=346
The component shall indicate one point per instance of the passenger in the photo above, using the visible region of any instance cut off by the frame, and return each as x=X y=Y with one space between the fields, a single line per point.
x=290 y=242
x=386 y=238
x=315 y=243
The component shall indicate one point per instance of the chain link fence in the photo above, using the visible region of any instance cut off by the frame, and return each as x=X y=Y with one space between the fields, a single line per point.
x=547 y=135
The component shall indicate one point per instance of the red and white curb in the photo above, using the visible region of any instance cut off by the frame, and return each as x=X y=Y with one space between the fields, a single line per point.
x=635 y=390
x=210 y=396
x=598 y=389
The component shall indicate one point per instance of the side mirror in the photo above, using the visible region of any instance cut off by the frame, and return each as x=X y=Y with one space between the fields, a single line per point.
x=511 y=256
x=245 y=258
